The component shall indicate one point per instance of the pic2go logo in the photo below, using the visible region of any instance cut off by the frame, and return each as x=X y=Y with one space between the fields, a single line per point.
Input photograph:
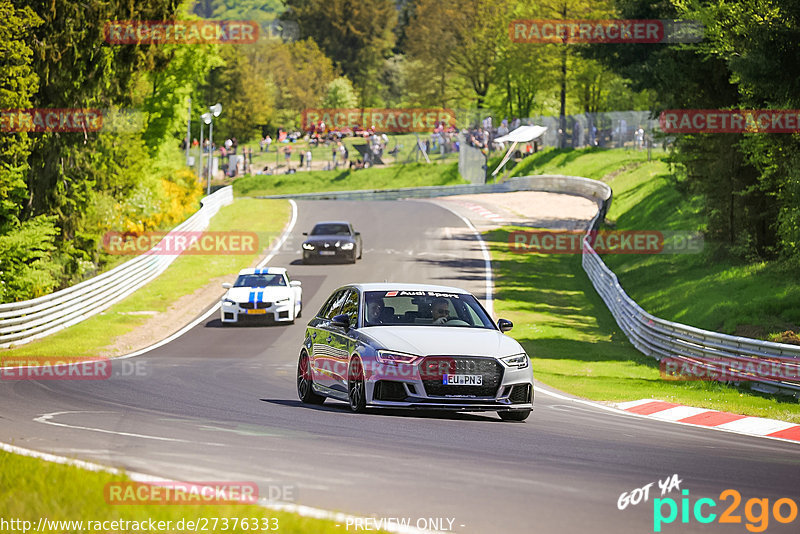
x=756 y=511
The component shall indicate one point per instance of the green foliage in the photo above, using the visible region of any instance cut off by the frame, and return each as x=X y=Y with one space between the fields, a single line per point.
x=748 y=59
x=26 y=269
x=340 y=94
x=18 y=82
x=356 y=35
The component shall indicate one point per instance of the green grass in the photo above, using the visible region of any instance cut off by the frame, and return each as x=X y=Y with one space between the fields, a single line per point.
x=411 y=175
x=31 y=489
x=594 y=163
x=751 y=299
x=185 y=275
x=577 y=347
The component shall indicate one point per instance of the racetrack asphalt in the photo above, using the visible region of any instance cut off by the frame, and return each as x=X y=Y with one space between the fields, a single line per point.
x=220 y=404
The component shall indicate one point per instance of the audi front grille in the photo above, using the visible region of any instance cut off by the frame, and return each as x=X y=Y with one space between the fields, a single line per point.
x=433 y=368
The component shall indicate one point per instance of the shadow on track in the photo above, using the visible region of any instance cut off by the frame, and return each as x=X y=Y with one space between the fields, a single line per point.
x=341 y=407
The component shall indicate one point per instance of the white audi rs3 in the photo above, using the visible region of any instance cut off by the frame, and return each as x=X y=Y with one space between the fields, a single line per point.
x=413 y=346
x=266 y=295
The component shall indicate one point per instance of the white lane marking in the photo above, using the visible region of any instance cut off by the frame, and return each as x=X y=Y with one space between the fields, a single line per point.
x=487 y=259
x=47 y=419
x=301 y=510
x=284 y=236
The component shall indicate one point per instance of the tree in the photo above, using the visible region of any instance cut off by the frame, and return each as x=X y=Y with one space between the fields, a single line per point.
x=356 y=35
x=340 y=94
x=18 y=83
x=464 y=39
x=748 y=59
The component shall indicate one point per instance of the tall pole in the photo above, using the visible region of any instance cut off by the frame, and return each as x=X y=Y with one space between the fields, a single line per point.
x=200 y=156
x=210 y=153
x=189 y=131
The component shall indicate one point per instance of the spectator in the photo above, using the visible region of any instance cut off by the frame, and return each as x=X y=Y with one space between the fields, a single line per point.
x=302 y=157
x=308 y=159
x=287 y=155
x=267 y=142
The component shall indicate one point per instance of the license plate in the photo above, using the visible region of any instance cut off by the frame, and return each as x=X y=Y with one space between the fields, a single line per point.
x=327 y=252
x=256 y=312
x=462 y=380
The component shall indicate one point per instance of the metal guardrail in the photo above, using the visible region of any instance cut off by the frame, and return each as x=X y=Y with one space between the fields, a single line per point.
x=22 y=322
x=740 y=358
x=704 y=353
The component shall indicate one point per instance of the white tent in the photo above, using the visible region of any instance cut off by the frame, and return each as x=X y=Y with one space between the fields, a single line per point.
x=523 y=134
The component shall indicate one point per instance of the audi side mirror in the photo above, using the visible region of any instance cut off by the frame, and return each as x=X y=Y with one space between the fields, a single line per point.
x=504 y=325
x=295 y=283
x=227 y=285
x=342 y=321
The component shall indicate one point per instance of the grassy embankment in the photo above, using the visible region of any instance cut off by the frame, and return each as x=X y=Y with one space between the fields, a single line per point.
x=576 y=344
x=411 y=175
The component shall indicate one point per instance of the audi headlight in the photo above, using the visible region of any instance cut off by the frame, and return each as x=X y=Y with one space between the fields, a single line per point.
x=281 y=301
x=385 y=356
x=229 y=301
x=308 y=246
x=520 y=361
x=347 y=246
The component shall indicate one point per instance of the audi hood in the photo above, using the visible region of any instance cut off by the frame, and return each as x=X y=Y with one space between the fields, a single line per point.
x=442 y=340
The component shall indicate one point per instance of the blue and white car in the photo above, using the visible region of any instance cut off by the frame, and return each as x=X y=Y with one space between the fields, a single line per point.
x=417 y=346
x=266 y=295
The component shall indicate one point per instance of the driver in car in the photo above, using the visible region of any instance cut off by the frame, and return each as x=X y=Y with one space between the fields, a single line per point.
x=375 y=311
x=440 y=309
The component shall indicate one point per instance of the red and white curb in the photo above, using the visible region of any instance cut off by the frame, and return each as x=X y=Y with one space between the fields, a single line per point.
x=742 y=424
x=480 y=210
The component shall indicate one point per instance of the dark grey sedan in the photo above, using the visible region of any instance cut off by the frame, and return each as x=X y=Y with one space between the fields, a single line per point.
x=332 y=241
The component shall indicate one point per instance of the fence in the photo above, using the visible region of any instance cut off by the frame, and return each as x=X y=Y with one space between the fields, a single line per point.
x=22 y=322
x=742 y=359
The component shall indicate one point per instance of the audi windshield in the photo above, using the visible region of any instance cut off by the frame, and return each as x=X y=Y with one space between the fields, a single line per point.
x=421 y=308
